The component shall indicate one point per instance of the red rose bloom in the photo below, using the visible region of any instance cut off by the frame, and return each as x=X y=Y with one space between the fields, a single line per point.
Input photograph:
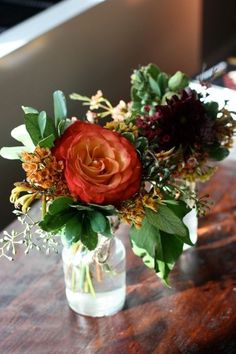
x=101 y=166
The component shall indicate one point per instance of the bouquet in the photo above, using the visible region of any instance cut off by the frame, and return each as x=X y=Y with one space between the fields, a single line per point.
x=134 y=161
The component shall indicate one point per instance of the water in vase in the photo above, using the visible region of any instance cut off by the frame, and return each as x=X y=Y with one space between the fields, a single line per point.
x=95 y=288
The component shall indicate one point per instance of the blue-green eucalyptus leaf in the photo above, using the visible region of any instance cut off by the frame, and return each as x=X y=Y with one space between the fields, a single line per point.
x=60 y=109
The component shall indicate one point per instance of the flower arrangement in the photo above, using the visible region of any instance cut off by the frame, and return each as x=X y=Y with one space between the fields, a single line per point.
x=135 y=160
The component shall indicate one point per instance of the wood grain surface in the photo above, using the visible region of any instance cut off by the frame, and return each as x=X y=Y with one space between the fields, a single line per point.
x=195 y=315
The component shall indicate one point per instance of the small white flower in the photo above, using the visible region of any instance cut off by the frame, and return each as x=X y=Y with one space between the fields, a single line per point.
x=91 y=116
x=95 y=100
x=119 y=113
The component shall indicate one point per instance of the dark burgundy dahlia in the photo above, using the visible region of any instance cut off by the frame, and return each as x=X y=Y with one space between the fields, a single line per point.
x=183 y=121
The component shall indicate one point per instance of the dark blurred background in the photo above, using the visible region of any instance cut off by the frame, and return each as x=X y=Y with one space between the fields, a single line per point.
x=99 y=49
x=15 y=11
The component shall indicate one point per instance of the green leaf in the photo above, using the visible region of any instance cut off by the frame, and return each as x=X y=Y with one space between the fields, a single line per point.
x=218 y=153
x=153 y=70
x=59 y=205
x=134 y=95
x=178 y=81
x=20 y=134
x=76 y=96
x=129 y=136
x=212 y=108
x=181 y=209
x=50 y=128
x=82 y=207
x=73 y=229
x=61 y=127
x=54 y=222
x=31 y=123
x=166 y=220
x=107 y=231
x=146 y=238
x=47 y=142
x=169 y=250
x=29 y=110
x=12 y=152
x=42 y=119
x=162 y=80
x=154 y=86
x=60 y=109
x=141 y=144
x=99 y=223
x=88 y=237
x=148 y=260
x=163 y=269
x=105 y=209
x=158 y=249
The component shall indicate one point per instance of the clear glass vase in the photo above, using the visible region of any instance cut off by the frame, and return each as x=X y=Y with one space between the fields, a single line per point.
x=95 y=280
x=191 y=219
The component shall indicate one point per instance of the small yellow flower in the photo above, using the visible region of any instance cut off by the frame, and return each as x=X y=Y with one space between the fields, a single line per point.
x=132 y=211
x=149 y=202
x=44 y=171
x=165 y=155
x=19 y=188
x=122 y=127
x=25 y=201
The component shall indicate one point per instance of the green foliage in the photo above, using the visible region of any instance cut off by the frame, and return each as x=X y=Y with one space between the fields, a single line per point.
x=141 y=144
x=73 y=229
x=212 y=109
x=20 y=134
x=105 y=209
x=75 y=221
x=150 y=87
x=166 y=220
x=12 y=152
x=60 y=111
x=129 y=136
x=178 y=81
x=41 y=129
x=160 y=240
x=88 y=236
x=218 y=153
x=162 y=80
x=154 y=86
x=54 y=222
x=159 y=250
x=59 y=205
x=99 y=223
x=27 y=110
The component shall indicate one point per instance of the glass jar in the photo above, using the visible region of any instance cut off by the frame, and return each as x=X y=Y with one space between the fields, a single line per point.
x=191 y=219
x=95 y=280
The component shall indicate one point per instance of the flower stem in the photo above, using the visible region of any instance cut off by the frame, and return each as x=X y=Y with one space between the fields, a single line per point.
x=82 y=276
x=98 y=272
x=89 y=282
x=73 y=279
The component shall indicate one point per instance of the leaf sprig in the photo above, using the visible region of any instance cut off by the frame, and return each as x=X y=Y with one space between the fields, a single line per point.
x=77 y=221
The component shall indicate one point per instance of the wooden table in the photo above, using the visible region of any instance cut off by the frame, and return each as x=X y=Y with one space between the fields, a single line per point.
x=196 y=315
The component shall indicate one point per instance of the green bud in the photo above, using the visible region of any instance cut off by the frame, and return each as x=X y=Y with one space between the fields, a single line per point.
x=178 y=81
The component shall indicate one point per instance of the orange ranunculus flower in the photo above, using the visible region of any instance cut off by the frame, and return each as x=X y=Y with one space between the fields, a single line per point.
x=101 y=166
